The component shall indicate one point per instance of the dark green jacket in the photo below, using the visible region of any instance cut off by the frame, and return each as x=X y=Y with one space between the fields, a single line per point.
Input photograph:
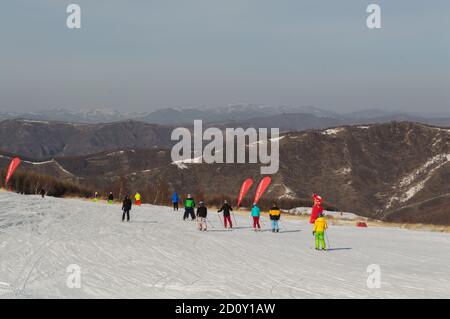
x=189 y=203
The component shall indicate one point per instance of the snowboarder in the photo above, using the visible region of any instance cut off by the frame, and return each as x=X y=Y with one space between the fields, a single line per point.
x=320 y=225
x=317 y=208
x=137 y=199
x=256 y=213
x=175 y=200
x=42 y=192
x=202 y=212
x=226 y=208
x=126 y=207
x=274 y=215
x=110 y=198
x=189 y=205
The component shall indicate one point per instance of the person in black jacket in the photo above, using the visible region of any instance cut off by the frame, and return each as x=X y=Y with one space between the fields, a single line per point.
x=110 y=198
x=126 y=207
x=226 y=208
x=202 y=212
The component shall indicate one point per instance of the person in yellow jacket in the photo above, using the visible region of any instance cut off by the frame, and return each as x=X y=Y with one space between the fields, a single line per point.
x=137 y=197
x=274 y=214
x=320 y=225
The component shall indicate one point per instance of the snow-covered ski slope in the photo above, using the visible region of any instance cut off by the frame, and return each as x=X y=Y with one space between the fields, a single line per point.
x=157 y=255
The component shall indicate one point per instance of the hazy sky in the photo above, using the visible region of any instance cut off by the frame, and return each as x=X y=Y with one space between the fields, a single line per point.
x=142 y=55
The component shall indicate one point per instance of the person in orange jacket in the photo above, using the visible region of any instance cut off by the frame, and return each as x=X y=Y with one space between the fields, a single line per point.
x=320 y=225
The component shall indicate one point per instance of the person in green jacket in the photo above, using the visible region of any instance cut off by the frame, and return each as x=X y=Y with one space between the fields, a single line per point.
x=189 y=205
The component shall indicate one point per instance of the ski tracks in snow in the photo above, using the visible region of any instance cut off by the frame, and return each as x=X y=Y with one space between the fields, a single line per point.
x=158 y=255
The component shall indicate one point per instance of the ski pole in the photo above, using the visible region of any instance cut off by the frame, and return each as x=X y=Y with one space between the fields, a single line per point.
x=207 y=220
x=282 y=225
x=234 y=218
x=221 y=221
x=328 y=241
x=262 y=221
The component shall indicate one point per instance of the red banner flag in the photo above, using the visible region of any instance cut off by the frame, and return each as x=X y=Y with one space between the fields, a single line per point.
x=11 y=169
x=244 y=189
x=265 y=182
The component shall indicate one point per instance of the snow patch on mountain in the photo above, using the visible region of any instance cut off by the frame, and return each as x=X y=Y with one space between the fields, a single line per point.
x=181 y=163
x=414 y=182
x=288 y=193
x=333 y=131
x=344 y=170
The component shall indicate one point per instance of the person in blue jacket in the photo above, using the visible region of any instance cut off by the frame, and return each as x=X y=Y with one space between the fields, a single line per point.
x=175 y=200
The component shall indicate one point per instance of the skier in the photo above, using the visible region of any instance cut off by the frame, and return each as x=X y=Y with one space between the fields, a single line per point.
x=126 y=207
x=95 y=197
x=110 y=198
x=175 y=200
x=320 y=225
x=189 y=205
x=226 y=208
x=42 y=192
x=202 y=212
x=256 y=213
x=274 y=214
x=137 y=199
x=317 y=208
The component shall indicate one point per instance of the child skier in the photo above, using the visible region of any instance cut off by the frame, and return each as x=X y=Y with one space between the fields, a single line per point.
x=110 y=198
x=320 y=225
x=256 y=213
x=137 y=199
x=202 y=212
x=274 y=214
x=189 y=205
x=126 y=207
x=317 y=208
x=226 y=208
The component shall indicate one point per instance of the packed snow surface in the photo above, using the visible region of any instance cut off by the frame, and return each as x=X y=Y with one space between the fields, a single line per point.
x=157 y=255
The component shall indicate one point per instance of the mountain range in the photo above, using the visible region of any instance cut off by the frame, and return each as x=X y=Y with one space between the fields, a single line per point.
x=285 y=117
x=397 y=171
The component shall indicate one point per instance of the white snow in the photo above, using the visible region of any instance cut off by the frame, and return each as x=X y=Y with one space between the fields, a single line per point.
x=119 y=152
x=52 y=161
x=157 y=255
x=35 y=121
x=181 y=163
x=333 y=131
x=40 y=163
x=344 y=170
x=288 y=192
x=414 y=182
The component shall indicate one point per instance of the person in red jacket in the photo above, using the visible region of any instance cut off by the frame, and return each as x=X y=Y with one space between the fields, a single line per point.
x=317 y=208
